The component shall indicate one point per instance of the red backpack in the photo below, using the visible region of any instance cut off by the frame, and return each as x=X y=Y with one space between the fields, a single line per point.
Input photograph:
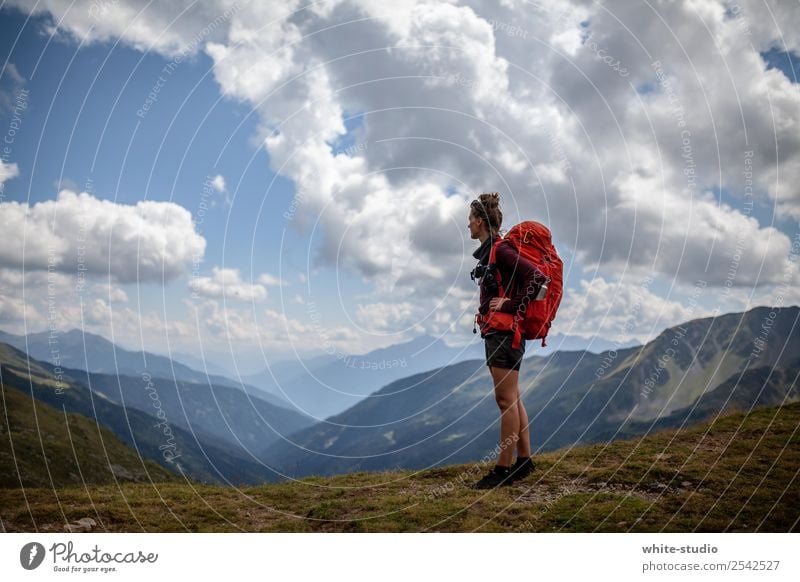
x=534 y=242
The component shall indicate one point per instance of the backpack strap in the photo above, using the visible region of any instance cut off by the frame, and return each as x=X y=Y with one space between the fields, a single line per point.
x=493 y=261
x=517 y=329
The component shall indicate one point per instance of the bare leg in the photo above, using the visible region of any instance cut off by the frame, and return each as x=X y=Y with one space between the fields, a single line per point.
x=506 y=393
x=524 y=442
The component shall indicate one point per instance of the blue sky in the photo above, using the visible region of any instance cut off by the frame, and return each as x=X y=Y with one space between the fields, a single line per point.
x=81 y=132
x=82 y=127
x=82 y=121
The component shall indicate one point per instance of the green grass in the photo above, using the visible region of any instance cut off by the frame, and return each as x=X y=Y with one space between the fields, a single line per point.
x=41 y=446
x=741 y=476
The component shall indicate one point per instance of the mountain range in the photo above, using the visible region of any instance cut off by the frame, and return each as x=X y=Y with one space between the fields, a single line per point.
x=327 y=385
x=202 y=433
x=735 y=473
x=318 y=387
x=442 y=415
x=448 y=415
x=82 y=350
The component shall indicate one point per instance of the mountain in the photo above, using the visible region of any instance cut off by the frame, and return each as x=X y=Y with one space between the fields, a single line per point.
x=560 y=343
x=222 y=412
x=282 y=371
x=735 y=474
x=330 y=384
x=204 y=364
x=82 y=350
x=41 y=446
x=448 y=414
x=195 y=454
x=277 y=377
x=752 y=388
x=327 y=385
x=317 y=387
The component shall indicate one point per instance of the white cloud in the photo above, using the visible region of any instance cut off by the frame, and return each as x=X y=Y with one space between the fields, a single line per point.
x=111 y=292
x=227 y=283
x=267 y=279
x=218 y=182
x=58 y=301
x=511 y=120
x=13 y=102
x=10 y=70
x=388 y=317
x=7 y=171
x=97 y=312
x=175 y=28
x=690 y=237
x=624 y=310
x=12 y=310
x=146 y=242
x=484 y=96
x=759 y=21
x=272 y=331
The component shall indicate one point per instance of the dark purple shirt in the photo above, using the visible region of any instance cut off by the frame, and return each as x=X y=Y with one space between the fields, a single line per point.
x=523 y=275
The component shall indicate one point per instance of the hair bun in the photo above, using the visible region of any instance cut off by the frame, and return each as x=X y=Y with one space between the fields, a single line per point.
x=488 y=207
x=490 y=199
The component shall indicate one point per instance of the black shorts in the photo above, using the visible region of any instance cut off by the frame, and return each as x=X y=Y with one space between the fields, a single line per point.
x=499 y=352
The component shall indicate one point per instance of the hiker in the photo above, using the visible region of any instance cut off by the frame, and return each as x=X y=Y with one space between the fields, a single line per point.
x=485 y=220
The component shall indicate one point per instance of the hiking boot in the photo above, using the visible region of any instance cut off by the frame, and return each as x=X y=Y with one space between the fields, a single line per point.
x=522 y=468
x=494 y=478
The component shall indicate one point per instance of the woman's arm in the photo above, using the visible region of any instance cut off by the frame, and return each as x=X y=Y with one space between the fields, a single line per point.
x=514 y=266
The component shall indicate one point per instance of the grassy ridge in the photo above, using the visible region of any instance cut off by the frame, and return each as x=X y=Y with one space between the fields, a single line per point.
x=202 y=457
x=739 y=473
x=41 y=446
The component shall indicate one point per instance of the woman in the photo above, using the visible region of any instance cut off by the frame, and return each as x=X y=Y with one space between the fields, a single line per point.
x=485 y=220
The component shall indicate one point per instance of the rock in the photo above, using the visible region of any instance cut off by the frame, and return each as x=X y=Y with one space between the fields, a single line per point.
x=686 y=484
x=84 y=524
x=121 y=472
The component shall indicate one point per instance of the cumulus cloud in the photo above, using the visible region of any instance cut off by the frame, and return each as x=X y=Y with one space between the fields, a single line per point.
x=457 y=92
x=146 y=242
x=59 y=301
x=13 y=99
x=10 y=70
x=12 y=310
x=218 y=182
x=624 y=309
x=176 y=28
x=274 y=331
x=227 y=283
x=111 y=292
x=7 y=171
x=267 y=279
x=656 y=170
x=388 y=317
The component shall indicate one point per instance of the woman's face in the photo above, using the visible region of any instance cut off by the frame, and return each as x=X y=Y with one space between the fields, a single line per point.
x=475 y=225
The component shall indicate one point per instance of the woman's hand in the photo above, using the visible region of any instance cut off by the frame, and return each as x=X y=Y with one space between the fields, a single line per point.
x=497 y=302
